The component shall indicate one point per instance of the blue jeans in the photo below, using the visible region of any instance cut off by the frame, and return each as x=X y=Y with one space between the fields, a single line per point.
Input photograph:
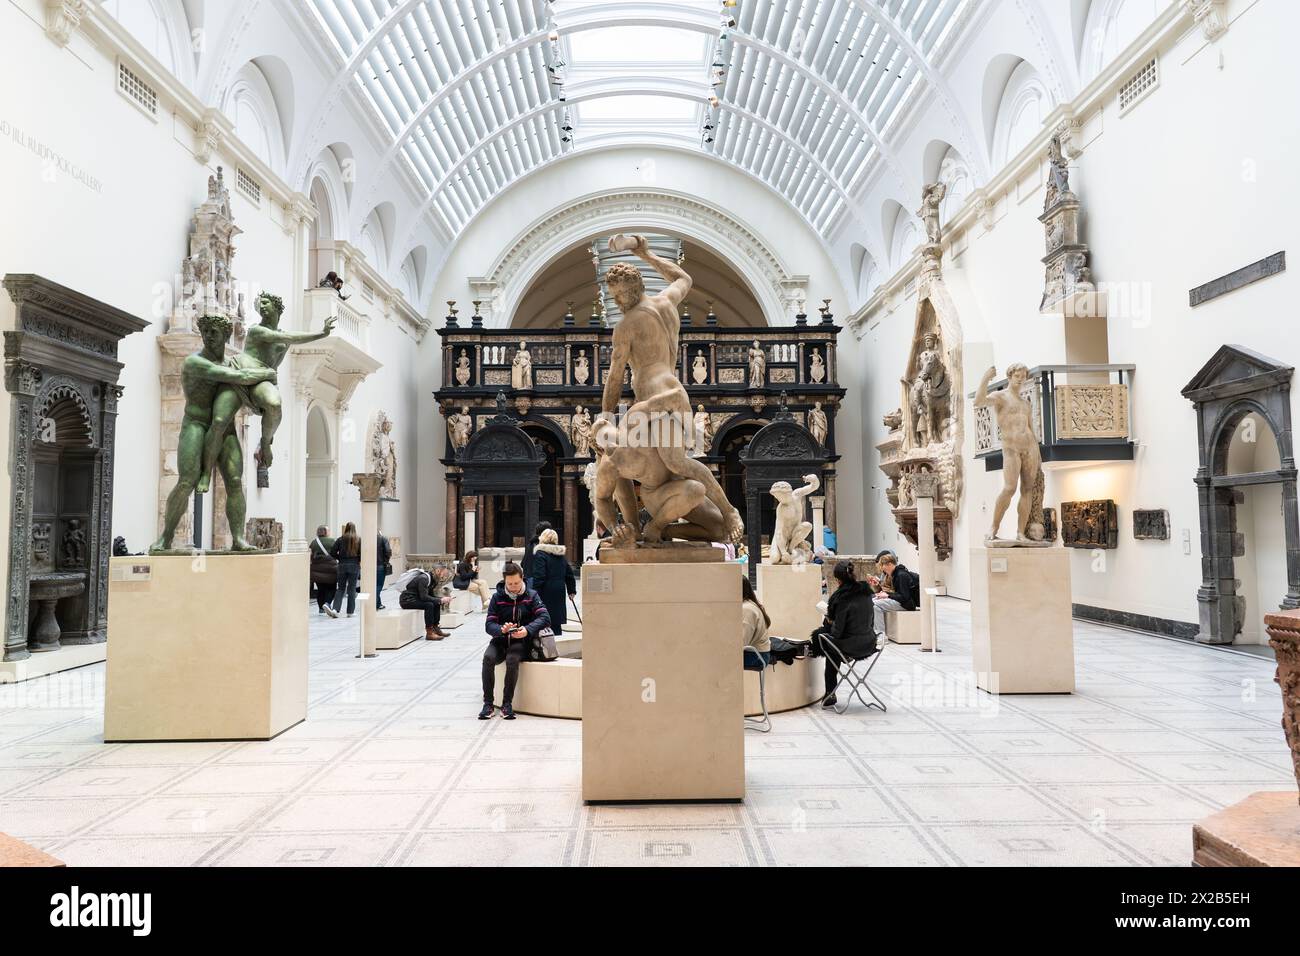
x=349 y=581
x=379 y=595
x=752 y=656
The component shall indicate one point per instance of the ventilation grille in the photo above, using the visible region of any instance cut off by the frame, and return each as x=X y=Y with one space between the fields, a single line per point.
x=1138 y=86
x=249 y=186
x=137 y=90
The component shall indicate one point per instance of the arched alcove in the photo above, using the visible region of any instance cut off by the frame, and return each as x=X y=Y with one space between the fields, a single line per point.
x=1016 y=101
x=319 y=501
x=571 y=277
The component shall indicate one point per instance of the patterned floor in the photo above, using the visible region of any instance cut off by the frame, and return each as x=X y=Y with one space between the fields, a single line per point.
x=391 y=768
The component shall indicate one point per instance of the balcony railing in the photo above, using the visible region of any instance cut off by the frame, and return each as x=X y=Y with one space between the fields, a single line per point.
x=1080 y=413
x=351 y=325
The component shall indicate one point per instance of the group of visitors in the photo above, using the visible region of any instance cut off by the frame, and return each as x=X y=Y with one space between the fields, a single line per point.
x=336 y=569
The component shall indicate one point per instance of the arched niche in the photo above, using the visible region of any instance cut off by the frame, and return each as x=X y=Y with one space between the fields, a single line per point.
x=319 y=502
x=571 y=277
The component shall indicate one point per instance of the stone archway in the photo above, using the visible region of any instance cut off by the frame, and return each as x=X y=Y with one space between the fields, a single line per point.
x=776 y=289
x=1234 y=384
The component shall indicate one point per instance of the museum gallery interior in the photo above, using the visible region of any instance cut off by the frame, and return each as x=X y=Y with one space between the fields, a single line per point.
x=630 y=433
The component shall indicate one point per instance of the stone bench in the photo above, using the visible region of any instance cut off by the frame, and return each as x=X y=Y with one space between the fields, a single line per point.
x=396 y=627
x=554 y=688
x=903 y=627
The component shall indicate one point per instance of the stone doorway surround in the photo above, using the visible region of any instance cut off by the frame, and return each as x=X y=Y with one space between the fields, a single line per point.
x=1235 y=382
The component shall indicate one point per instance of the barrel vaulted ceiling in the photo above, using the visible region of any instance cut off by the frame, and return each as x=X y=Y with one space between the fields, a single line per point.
x=800 y=94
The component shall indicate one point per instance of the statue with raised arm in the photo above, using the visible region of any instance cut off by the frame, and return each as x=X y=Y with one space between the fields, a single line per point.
x=646 y=341
x=791 y=533
x=204 y=375
x=265 y=347
x=931 y=197
x=1022 y=462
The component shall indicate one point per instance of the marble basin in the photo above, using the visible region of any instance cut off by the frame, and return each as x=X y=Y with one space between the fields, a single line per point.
x=47 y=589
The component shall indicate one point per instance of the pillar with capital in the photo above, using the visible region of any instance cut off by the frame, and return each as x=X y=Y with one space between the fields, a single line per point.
x=925 y=488
x=571 y=516
x=368 y=487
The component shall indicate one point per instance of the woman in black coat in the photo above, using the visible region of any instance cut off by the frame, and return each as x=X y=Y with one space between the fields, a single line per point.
x=553 y=577
x=850 y=624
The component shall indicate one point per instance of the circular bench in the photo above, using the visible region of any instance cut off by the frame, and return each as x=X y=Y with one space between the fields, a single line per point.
x=554 y=688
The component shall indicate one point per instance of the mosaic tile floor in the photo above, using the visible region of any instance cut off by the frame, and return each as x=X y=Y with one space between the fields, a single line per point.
x=391 y=768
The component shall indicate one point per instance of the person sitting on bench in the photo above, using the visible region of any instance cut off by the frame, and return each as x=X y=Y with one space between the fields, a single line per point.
x=898 y=589
x=419 y=593
x=516 y=615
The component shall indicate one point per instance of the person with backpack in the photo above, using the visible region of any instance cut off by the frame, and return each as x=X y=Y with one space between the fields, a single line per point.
x=324 y=570
x=898 y=589
x=516 y=615
x=419 y=593
x=347 y=552
x=383 y=568
x=553 y=578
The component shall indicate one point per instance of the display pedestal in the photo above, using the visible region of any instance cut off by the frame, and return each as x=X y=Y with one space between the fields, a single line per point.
x=1022 y=635
x=904 y=627
x=206 y=648
x=397 y=627
x=1262 y=830
x=790 y=595
x=662 y=685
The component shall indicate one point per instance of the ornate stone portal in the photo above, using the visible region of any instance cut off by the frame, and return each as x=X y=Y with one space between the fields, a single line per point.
x=925 y=433
x=61 y=370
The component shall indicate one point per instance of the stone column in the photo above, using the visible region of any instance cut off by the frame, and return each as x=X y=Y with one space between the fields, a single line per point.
x=469 y=513
x=571 y=517
x=453 y=511
x=830 y=505
x=368 y=486
x=925 y=485
x=489 y=520
x=818 y=503
x=22 y=381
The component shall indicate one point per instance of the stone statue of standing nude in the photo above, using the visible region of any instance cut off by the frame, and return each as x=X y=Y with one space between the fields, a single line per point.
x=646 y=340
x=264 y=348
x=1022 y=461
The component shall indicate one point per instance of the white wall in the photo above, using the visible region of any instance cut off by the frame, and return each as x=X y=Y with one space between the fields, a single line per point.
x=123 y=243
x=1192 y=183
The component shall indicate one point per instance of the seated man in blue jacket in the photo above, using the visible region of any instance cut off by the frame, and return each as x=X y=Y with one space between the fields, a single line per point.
x=515 y=616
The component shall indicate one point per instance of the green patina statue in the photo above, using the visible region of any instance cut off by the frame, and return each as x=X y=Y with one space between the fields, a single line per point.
x=215 y=389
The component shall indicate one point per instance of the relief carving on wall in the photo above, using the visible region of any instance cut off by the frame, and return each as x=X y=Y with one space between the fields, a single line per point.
x=1150 y=524
x=1089 y=524
x=1092 y=411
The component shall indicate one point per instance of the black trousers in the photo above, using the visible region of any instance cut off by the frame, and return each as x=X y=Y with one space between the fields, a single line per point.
x=432 y=608
x=496 y=653
x=324 y=595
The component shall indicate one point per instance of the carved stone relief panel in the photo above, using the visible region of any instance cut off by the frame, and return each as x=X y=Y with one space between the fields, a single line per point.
x=1151 y=524
x=1089 y=524
x=1092 y=411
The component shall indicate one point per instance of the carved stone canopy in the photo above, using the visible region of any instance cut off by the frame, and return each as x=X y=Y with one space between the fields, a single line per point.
x=501 y=459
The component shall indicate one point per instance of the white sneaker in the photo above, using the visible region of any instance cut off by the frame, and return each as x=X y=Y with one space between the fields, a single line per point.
x=330 y=611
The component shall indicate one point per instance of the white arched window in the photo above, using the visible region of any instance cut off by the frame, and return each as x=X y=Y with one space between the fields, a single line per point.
x=956 y=176
x=408 y=283
x=907 y=236
x=1112 y=25
x=1025 y=104
x=148 y=21
x=369 y=248
x=251 y=108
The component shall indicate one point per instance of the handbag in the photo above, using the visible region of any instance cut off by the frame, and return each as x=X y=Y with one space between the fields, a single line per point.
x=544 y=648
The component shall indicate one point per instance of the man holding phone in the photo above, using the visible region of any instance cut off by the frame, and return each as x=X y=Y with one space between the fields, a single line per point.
x=515 y=616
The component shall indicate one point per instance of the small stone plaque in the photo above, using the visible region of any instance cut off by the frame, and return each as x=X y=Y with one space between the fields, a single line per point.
x=1151 y=524
x=1233 y=281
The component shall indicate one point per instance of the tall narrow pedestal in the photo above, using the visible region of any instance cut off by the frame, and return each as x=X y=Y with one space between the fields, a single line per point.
x=790 y=595
x=662 y=687
x=206 y=648
x=1022 y=637
x=367 y=595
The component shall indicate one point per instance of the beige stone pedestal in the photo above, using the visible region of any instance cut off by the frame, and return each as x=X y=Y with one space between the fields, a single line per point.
x=1022 y=637
x=206 y=648
x=790 y=595
x=662 y=687
x=1262 y=830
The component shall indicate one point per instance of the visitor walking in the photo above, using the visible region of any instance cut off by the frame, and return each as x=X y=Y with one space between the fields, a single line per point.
x=324 y=570
x=553 y=578
x=347 y=552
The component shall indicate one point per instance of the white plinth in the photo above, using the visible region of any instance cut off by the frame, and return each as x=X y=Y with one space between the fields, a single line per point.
x=1022 y=637
x=662 y=685
x=209 y=648
x=790 y=594
x=397 y=627
x=903 y=627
